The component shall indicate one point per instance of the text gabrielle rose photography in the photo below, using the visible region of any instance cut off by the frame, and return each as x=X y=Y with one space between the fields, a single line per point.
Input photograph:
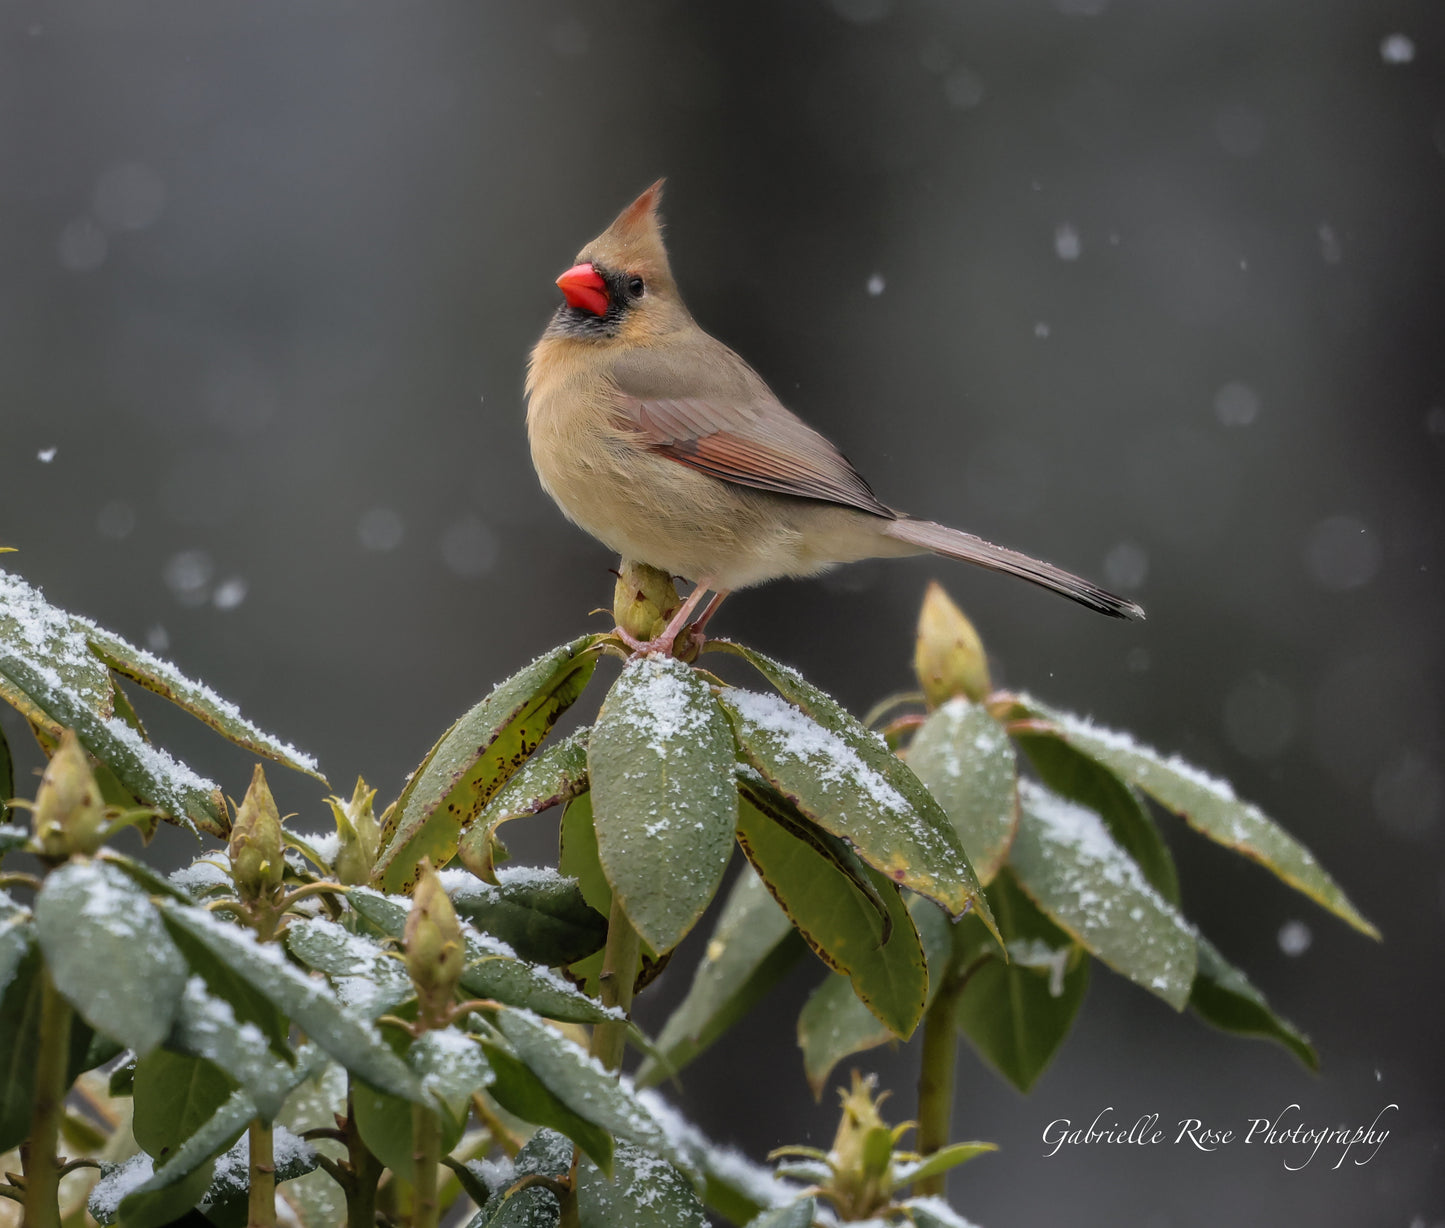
x=1289 y=1128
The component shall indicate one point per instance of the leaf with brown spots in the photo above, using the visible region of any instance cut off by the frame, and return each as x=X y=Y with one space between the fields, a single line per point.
x=475 y=758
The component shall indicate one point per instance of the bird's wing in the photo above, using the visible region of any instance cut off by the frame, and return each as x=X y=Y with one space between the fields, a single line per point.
x=727 y=423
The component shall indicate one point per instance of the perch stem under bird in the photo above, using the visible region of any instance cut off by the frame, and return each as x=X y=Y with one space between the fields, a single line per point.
x=666 y=446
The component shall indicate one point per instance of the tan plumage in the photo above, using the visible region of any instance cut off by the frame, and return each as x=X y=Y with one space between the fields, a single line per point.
x=666 y=446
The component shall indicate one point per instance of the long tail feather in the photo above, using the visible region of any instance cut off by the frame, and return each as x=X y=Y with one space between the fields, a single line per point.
x=955 y=544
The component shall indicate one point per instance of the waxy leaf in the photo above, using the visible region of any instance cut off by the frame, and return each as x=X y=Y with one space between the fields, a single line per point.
x=664 y=805
x=908 y=838
x=1224 y=998
x=347 y=1037
x=109 y=954
x=539 y=913
x=475 y=758
x=519 y=1090
x=642 y=1192
x=7 y=786
x=53 y=644
x=175 y=1095
x=921 y=850
x=491 y=970
x=552 y=778
x=939 y=1161
x=1070 y=866
x=751 y=947
x=366 y=977
x=1207 y=804
x=880 y=954
x=164 y=679
x=20 y=1006
x=834 y=1024
x=966 y=759
x=1072 y=774
x=1017 y=1014
x=580 y=1082
x=145 y=771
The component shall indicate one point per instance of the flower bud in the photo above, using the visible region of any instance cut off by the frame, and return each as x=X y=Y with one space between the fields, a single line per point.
x=359 y=835
x=948 y=656
x=256 y=848
x=434 y=948
x=644 y=600
x=69 y=816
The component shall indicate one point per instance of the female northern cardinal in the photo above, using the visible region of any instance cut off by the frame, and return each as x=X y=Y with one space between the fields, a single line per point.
x=666 y=446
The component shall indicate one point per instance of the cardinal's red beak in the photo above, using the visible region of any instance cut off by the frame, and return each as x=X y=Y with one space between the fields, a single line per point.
x=583 y=287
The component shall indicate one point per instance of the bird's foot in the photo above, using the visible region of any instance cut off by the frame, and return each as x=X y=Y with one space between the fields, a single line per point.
x=684 y=645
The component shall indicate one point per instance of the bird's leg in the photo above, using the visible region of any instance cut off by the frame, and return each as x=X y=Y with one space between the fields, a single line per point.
x=696 y=636
x=664 y=643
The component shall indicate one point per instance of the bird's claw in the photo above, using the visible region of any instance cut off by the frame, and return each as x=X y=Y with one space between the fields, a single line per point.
x=685 y=645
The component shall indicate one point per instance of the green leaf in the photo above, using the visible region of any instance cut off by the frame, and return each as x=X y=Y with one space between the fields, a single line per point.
x=1071 y=867
x=225 y=1202
x=17 y=937
x=519 y=1090
x=939 y=1161
x=751 y=947
x=451 y=1066
x=1224 y=998
x=19 y=1042
x=178 y=1185
x=551 y=778
x=1017 y=1014
x=36 y=634
x=1207 y=804
x=1074 y=775
x=882 y=957
x=664 y=805
x=109 y=954
x=175 y=1095
x=207 y=1027
x=844 y=778
x=581 y=1083
x=146 y=771
x=144 y=1207
x=540 y=914
x=199 y=700
x=798 y=1214
x=347 y=1037
x=366 y=977
x=834 y=1024
x=491 y=971
x=249 y=1004
x=475 y=758
x=577 y=855
x=643 y=1192
x=967 y=761
x=530 y=1207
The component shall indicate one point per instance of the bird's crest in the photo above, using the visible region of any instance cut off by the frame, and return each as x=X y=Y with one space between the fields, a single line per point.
x=633 y=243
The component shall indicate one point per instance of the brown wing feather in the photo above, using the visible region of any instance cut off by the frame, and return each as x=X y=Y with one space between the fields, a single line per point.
x=733 y=427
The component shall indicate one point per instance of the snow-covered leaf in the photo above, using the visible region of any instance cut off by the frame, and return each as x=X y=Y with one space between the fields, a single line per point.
x=967 y=761
x=1074 y=871
x=664 y=805
x=1209 y=805
x=644 y=1191
x=345 y=1035
x=539 y=913
x=925 y=855
x=475 y=758
x=175 y=1094
x=109 y=954
x=798 y=1214
x=364 y=975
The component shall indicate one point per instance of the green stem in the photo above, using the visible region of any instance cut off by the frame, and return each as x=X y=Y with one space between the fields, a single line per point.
x=42 y=1167
x=365 y=1174
x=936 y=1077
x=620 y=962
x=426 y=1134
x=261 y=1205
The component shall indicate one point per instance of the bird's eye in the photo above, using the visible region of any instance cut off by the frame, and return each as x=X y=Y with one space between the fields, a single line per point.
x=635 y=287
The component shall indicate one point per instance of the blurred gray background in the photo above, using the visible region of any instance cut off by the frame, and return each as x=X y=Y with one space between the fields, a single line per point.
x=1154 y=291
